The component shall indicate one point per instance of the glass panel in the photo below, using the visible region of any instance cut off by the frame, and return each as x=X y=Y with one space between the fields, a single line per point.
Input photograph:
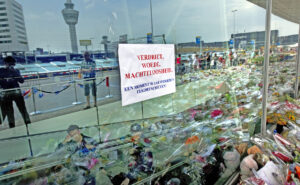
x=184 y=98
x=158 y=107
x=53 y=88
x=14 y=149
x=14 y=132
x=82 y=119
x=114 y=112
x=46 y=143
x=116 y=131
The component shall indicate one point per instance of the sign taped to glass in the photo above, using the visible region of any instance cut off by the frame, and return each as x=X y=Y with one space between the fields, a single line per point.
x=147 y=71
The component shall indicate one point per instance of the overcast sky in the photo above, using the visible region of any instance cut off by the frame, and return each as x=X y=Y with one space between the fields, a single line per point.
x=180 y=20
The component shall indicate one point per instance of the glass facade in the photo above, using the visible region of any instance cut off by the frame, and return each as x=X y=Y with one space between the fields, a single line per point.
x=62 y=119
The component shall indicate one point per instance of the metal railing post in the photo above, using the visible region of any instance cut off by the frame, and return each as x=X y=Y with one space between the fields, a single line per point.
x=266 y=67
x=142 y=106
x=29 y=141
x=97 y=112
x=35 y=112
x=297 y=69
x=75 y=93
x=1 y=116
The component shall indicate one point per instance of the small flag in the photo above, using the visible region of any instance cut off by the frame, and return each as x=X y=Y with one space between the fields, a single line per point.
x=41 y=95
x=26 y=92
x=35 y=90
x=27 y=95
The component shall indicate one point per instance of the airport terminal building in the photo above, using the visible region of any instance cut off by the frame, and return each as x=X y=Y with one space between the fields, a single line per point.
x=13 y=36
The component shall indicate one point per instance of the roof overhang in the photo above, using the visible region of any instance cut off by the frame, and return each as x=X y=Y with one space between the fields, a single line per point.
x=286 y=9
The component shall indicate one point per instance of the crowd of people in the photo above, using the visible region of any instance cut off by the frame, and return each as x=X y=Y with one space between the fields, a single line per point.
x=205 y=61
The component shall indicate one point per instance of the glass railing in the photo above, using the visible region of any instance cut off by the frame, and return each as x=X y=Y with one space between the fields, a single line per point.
x=209 y=108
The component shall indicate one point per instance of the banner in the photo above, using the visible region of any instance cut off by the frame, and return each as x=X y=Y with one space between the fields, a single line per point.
x=147 y=71
x=85 y=42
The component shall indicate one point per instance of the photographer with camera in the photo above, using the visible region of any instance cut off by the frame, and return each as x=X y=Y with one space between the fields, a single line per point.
x=9 y=82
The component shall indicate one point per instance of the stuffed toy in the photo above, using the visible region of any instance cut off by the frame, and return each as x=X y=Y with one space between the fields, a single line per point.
x=241 y=148
x=232 y=162
x=254 y=150
x=246 y=165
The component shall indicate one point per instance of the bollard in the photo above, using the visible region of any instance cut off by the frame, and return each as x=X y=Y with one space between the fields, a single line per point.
x=35 y=112
x=108 y=86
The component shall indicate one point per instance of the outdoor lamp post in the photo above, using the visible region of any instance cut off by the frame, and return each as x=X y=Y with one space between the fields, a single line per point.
x=234 y=26
x=151 y=17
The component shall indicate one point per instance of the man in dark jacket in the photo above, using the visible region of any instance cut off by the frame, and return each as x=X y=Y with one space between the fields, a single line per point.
x=9 y=82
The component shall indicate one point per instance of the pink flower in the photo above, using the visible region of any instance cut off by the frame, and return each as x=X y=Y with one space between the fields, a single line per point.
x=194 y=112
x=92 y=163
x=216 y=113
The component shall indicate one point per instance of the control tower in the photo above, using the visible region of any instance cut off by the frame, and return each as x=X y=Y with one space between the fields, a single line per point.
x=71 y=18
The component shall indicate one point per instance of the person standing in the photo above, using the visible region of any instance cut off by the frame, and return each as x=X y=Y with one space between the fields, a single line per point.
x=215 y=60
x=88 y=70
x=235 y=59
x=195 y=63
x=190 y=65
x=9 y=81
x=231 y=58
x=208 y=60
x=201 y=62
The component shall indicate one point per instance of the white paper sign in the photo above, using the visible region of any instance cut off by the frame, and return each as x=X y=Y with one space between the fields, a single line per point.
x=147 y=71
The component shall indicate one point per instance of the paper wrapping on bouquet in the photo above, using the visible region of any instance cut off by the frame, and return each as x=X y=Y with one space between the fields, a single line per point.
x=271 y=174
x=253 y=180
x=222 y=88
x=103 y=179
x=190 y=144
